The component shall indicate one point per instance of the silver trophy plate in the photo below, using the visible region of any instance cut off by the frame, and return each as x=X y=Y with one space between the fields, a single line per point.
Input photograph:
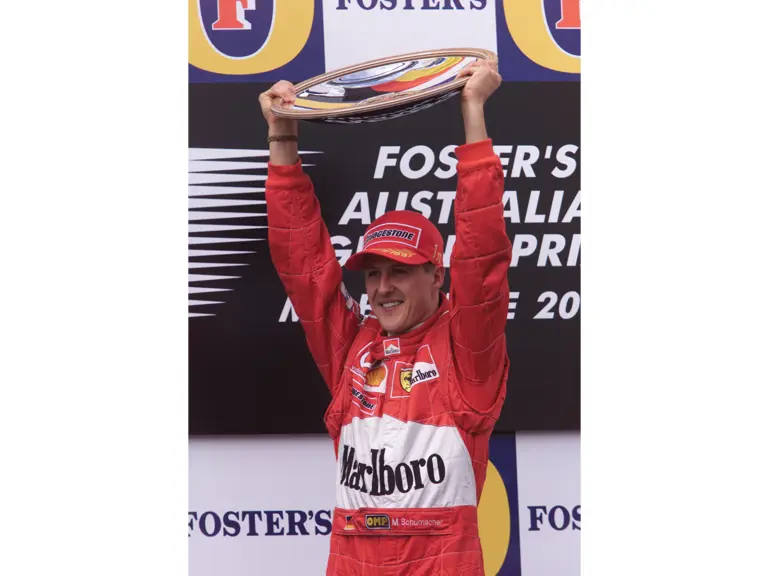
x=384 y=88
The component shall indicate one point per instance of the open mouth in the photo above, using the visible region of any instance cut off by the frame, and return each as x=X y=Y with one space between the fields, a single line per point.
x=389 y=306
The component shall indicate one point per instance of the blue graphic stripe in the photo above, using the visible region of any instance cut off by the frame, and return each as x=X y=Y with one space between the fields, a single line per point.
x=503 y=454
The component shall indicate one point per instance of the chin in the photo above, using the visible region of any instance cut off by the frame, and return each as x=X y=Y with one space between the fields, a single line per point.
x=395 y=325
x=390 y=326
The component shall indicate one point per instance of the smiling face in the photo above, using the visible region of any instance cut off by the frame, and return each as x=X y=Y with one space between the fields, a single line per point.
x=401 y=295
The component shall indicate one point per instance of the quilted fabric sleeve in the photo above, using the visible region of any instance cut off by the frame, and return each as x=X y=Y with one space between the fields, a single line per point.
x=479 y=287
x=302 y=253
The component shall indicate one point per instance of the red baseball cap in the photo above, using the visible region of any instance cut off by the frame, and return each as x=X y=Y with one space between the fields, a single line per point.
x=401 y=235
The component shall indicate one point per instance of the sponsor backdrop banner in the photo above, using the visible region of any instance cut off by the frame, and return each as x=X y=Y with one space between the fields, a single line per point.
x=263 y=505
x=245 y=41
x=549 y=503
x=247 y=351
x=250 y=370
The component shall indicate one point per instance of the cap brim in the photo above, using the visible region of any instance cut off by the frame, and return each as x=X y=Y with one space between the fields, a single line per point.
x=404 y=256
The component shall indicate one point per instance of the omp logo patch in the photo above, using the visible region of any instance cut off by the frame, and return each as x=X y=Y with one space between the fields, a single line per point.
x=377 y=522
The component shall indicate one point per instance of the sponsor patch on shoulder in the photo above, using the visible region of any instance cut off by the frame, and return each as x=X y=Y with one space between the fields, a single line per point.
x=424 y=367
x=376 y=379
x=351 y=304
x=391 y=346
x=405 y=379
x=366 y=404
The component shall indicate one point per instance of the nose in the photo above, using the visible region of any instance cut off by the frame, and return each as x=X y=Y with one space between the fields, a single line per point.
x=385 y=285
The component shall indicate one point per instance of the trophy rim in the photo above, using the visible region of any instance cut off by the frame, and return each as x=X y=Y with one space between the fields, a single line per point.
x=395 y=101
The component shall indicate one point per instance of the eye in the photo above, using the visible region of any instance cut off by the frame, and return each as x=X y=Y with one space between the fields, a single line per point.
x=371 y=273
x=399 y=271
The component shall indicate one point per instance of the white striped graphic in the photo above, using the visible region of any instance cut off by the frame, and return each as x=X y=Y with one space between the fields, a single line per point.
x=196 y=290
x=216 y=202
x=220 y=190
x=214 y=166
x=222 y=215
x=197 y=178
x=207 y=240
x=219 y=227
x=213 y=264
x=208 y=277
x=213 y=174
x=193 y=253
x=228 y=154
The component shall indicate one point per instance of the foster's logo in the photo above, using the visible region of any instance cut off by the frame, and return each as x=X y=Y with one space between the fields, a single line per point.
x=245 y=37
x=556 y=517
x=546 y=32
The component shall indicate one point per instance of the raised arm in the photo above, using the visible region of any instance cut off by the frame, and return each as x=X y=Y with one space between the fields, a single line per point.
x=301 y=249
x=482 y=253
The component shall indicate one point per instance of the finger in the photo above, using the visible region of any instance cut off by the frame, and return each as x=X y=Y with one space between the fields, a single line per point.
x=468 y=71
x=282 y=89
x=282 y=94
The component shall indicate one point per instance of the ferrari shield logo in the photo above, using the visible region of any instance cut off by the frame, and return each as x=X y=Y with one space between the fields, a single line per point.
x=405 y=379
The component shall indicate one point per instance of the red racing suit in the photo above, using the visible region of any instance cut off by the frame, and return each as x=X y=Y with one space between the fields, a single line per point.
x=410 y=416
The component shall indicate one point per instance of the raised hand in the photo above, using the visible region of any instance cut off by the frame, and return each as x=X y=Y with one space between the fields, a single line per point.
x=284 y=91
x=484 y=80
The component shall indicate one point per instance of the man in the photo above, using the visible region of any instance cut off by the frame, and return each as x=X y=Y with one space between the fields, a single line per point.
x=416 y=386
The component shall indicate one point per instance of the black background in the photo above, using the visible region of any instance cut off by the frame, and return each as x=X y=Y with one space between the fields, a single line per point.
x=250 y=374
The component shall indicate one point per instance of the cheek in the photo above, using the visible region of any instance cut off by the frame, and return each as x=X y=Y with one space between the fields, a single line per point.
x=406 y=289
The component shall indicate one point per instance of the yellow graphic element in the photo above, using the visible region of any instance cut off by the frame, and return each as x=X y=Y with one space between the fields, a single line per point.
x=375 y=376
x=493 y=520
x=291 y=25
x=395 y=252
x=528 y=27
x=431 y=71
x=314 y=105
x=405 y=379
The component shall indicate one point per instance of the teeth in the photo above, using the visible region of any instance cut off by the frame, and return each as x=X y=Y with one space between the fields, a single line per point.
x=391 y=304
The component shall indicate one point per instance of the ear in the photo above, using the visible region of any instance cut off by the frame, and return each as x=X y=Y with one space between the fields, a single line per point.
x=438 y=277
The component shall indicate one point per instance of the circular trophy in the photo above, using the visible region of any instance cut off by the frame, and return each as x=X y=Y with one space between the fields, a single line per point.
x=384 y=88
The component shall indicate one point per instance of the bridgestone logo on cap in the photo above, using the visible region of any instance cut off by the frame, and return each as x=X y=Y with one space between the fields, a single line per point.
x=389 y=233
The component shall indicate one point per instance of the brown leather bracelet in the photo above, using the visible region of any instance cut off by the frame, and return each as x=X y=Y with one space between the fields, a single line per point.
x=283 y=138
